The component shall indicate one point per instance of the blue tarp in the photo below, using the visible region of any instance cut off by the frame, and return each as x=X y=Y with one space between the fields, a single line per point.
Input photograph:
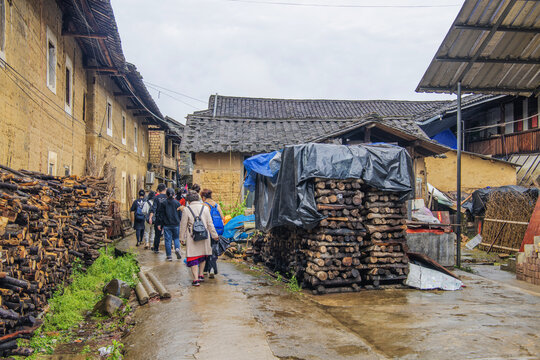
x=259 y=164
x=237 y=221
x=447 y=138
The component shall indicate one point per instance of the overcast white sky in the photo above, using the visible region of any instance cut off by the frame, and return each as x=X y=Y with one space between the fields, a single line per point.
x=203 y=47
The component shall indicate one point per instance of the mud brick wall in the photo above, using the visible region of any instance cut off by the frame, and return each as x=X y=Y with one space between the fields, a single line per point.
x=223 y=173
x=529 y=270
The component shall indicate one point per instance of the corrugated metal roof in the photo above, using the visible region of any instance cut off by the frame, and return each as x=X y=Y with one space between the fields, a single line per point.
x=528 y=173
x=493 y=46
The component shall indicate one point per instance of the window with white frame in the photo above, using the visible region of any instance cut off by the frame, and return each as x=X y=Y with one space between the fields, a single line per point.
x=108 y=117
x=143 y=144
x=52 y=50
x=69 y=86
x=67 y=170
x=123 y=188
x=135 y=137
x=123 y=128
x=2 y=30
x=52 y=159
x=134 y=191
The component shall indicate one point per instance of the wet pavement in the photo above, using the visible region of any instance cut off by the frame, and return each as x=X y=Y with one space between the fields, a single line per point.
x=242 y=315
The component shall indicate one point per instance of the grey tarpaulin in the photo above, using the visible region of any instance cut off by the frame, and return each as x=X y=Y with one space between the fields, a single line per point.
x=289 y=198
x=477 y=204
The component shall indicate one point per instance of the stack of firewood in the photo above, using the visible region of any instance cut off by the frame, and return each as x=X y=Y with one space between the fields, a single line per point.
x=46 y=222
x=360 y=243
x=385 y=257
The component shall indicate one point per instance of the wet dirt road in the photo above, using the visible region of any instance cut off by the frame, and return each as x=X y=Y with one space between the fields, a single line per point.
x=241 y=315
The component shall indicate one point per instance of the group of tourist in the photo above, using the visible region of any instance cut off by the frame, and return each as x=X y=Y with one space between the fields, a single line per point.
x=190 y=217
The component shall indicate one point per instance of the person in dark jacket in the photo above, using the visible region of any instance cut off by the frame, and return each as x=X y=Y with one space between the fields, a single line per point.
x=138 y=217
x=170 y=223
x=153 y=218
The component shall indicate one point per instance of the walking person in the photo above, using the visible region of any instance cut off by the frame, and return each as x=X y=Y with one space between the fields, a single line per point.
x=195 y=187
x=154 y=218
x=138 y=217
x=195 y=215
x=215 y=210
x=170 y=223
x=149 y=231
x=217 y=220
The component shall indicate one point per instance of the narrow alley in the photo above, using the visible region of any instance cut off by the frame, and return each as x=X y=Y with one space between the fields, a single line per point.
x=243 y=315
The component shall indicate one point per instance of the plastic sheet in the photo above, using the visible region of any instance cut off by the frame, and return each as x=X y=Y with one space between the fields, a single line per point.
x=231 y=228
x=289 y=198
x=264 y=164
x=477 y=204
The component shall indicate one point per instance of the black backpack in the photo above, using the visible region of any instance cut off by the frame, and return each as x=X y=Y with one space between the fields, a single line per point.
x=139 y=216
x=199 y=230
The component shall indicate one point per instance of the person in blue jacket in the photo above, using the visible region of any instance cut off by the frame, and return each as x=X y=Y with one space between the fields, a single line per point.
x=218 y=220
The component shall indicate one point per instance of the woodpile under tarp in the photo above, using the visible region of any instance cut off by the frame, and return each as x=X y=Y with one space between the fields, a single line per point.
x=360 y=244
x=46 y=222
x=334 y=215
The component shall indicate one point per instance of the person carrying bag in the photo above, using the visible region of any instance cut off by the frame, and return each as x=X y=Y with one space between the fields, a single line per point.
x=195 y=223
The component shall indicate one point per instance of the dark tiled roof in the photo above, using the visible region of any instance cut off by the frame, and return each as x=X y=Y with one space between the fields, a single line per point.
x=252 y=125
x=176 y=128
x=259 y=108
x=97 y=16
x=251 y=136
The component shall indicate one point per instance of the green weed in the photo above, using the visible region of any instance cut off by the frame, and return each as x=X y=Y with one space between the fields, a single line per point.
x=117 y=351
x=234 y=210
x=69 y=306
x=465 y=268
x=293 y=285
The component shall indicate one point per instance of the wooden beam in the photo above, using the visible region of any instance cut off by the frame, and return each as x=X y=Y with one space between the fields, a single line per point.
x=134 y=107
x=92 y=21
x=85 y=36
x=144 y=113
x=490 y=60
x=520 y=29
x=466 y=88
x=122 y=94
x=102 y=68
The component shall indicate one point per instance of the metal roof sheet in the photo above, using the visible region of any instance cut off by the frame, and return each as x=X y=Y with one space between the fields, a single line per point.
x=493 y=47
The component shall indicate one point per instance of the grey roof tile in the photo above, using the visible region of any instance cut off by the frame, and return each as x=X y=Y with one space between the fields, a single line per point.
x=253 y=125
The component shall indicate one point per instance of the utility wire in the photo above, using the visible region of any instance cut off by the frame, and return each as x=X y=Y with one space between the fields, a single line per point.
x=173 y=97
x=173 y=91
x=503 y=124
x=340 y=5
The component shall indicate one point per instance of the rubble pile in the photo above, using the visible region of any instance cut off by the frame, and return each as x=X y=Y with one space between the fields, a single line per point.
x=46 y=222
x=360 y=244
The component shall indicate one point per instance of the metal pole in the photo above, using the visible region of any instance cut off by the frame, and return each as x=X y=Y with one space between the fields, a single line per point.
x=458 y=202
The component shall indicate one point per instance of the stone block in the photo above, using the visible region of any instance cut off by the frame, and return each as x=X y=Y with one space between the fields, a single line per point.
x=108 y=305
x=119 y=288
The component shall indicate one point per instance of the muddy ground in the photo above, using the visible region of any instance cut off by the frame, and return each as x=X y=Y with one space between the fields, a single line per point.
x=243 y=315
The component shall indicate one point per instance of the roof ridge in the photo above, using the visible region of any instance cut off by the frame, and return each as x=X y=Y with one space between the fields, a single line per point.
x=324 y=100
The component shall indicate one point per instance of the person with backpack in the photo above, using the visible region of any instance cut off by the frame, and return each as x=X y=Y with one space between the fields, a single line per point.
x=215 y=211
x=148 y=229
x=169 y=224
x=217 y=219
x=196 y=228
x=138 y=217
x=153 y=218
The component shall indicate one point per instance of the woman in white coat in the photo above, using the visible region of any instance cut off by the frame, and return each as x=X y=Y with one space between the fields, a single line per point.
x=196 y=251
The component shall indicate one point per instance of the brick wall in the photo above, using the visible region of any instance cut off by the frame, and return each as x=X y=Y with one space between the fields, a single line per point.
x=223 y=173
x=35 y=127
x=33 y=120
x=528 y=263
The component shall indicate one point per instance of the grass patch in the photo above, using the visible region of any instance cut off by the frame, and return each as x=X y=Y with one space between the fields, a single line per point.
x=465 y=268
x=70 y=305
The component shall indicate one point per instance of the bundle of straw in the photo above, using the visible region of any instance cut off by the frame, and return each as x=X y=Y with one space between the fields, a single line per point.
x=506 y=206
